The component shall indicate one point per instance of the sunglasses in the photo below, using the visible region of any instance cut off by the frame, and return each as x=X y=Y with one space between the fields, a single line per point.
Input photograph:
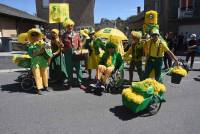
x=34 y=34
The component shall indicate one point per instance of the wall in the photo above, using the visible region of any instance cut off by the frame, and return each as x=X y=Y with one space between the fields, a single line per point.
x=7 y=26
x=190 y=29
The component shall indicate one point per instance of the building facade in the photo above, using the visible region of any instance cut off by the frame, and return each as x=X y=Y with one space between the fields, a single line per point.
x=179 y=16
x=14 y=21
x=81 y=11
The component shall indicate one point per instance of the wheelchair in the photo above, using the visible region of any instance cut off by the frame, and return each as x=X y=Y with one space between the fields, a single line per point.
x=26 y=80
x=115 y=82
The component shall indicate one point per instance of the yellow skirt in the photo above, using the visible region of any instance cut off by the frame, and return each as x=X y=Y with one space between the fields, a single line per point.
x=93 y=60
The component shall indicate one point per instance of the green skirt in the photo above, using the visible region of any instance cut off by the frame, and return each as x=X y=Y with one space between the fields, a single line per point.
x=57 y=68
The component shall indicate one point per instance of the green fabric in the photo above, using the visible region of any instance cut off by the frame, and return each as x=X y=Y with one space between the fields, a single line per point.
x=137 y=52
x=70 y=63
x=156 y=64
x=56 y=65
x=37 y=61
x=117 y=60
x=96 y=44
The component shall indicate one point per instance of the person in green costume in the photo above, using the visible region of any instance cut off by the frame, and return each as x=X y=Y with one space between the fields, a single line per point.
x=109 y=63
x=136 y=50
x=155 y=48
x=57 y=67
x=95 y=47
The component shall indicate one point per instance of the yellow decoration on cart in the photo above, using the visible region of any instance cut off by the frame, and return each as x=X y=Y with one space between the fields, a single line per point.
x=179 y=70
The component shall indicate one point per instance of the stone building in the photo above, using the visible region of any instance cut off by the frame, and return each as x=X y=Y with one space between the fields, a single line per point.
x=14 y=21
x=179 y=16
x=81 y=11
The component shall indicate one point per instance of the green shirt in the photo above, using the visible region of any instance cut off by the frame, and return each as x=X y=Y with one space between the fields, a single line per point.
x=37 y=61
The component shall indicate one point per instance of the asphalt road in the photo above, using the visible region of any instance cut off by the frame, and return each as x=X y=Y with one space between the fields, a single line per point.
x=76 y=112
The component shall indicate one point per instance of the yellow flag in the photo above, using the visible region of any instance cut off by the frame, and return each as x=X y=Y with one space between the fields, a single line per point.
x=58 y=12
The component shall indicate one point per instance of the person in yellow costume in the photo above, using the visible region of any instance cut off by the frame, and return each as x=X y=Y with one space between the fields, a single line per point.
x=136 y=51
x=39 y=59
x=154 y=49
x=95 y=47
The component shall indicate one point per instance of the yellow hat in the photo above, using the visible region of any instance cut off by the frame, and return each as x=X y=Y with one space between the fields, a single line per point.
x=22 y=38
x=155 y=31
x=34 y=30
x=55 y=31
x=136 y=34
x=68 y=22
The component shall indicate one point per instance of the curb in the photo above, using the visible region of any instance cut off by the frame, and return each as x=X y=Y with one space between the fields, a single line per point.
x=12 y=70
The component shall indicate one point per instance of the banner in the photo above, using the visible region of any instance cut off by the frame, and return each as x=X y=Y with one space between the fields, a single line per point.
x=58 y=12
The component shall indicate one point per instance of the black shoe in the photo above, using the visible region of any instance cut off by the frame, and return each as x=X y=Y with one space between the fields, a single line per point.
x=67 y=86
x=46 y=89
x=38 y=92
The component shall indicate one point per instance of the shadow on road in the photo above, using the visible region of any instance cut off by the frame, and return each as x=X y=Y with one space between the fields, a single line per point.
x=15 y=87
x=125 y=114
x=197 y=79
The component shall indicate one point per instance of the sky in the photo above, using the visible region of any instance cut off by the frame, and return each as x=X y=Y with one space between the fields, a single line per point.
x=110 y=9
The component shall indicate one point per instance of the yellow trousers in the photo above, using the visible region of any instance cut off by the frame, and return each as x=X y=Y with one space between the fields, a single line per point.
x=41 y=77
x=104 y=72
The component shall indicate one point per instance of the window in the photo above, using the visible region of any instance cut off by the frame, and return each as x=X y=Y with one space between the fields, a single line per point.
x=45 y=3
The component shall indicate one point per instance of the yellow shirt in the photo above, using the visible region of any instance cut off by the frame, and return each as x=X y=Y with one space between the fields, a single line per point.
x=155 y=49
x=109 y=61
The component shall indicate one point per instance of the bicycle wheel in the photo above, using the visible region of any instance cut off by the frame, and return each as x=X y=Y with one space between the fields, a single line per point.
x=27 y=84
x=155 y=106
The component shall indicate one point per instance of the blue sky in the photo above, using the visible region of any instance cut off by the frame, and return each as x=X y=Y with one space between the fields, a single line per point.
x=110 y=9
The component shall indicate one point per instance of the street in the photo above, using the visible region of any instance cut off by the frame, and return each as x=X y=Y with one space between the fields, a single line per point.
x=76 y=112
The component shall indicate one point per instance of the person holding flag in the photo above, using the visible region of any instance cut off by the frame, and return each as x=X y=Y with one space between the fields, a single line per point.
x=71 y=45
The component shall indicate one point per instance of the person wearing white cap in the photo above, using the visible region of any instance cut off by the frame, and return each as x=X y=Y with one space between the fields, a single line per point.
x=191 y=46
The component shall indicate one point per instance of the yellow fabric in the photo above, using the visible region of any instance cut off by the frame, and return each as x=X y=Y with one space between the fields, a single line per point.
x=109 y=61
x=41 y=77
x=111 y=32
x=22 y=38
x=179 y=70
x=94 y=59
x=136 y=34
x=55 y=31
x=118 y=43
x=151 y=17
x=132 y=96
x=155 y=47
x=103 y=72
x=34 y=30
x=58 y=12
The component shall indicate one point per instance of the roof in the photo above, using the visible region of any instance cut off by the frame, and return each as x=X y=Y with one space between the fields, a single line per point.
x=10 y=11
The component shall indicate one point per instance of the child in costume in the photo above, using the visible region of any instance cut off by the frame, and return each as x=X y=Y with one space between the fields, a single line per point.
x=136 y=51
x=109 y=63
x=155 y=49
x=57 y=68
x=72 y=44
x=39 y=59
x=95 y=47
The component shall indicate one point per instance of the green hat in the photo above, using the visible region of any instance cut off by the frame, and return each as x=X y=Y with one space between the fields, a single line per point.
x=98 y=42
x=155 y=31
x=110 y=45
